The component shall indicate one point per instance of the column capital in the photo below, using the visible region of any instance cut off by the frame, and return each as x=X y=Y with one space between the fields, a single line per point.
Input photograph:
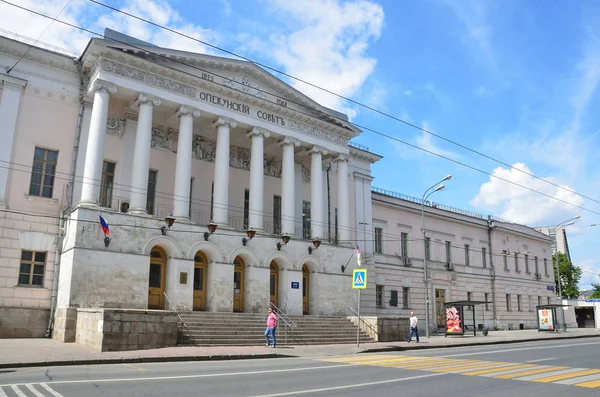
x=340 y=159
x=147 y=99
x=317 y=149
x=258 y=131
x=102 y=85
x=288 y=140
x=221 y=121
x=185 y=110
x=9 y=85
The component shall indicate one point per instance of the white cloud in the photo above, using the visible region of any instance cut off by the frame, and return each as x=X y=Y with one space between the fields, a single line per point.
x=520 y=205
x=425 y=141
x=327 y=46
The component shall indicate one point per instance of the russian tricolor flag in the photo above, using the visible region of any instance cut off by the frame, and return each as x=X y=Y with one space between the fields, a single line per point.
x=104 y=226
x=358 y=255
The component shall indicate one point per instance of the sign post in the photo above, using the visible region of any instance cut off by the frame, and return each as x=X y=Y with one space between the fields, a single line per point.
x=359 y=281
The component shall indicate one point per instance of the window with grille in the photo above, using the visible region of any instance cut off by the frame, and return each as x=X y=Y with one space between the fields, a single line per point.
x=306 y=220
x=428 y=248
x=394 y=298
x=517 y=263
x=379 y=295
x=151 y=192
x=42 y=173
x=405 y=297
x=505 y=260
x=546 y=267
x=107 y=184
x=487 y=299
x=378 y=240
x=508 y=303
x=448 y=252
x=483 y=258
x=276 y=214
x=31 y=271
x=404 y=244
x=246 y=208
x=527 y=264
x=467 y=262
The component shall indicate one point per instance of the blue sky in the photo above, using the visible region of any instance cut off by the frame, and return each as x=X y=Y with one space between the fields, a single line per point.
x=515 y=80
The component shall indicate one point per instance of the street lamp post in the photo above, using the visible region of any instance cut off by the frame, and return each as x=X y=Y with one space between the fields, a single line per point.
x=562 y=224
x=437 y=187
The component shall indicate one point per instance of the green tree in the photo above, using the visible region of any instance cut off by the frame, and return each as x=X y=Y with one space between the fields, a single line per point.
x=569 y=276
x=596 y=293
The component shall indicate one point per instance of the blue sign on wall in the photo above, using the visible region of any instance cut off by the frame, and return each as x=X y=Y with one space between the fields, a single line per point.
x=550 y=288
x=295 y=285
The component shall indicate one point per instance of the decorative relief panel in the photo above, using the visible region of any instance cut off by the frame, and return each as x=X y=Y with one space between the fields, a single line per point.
x=305 y=174
x=245 y=85
x=164 y=138
x=115 y=126
x=272 y=167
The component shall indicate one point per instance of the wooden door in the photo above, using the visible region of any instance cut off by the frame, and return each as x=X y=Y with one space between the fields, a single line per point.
x=305 y=292
x=200 y=269
x=274 y=283
x=156 y=279
x=238 y=284
x=440 y=313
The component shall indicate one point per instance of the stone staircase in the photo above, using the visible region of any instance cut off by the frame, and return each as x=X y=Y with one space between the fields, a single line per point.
x=246 y=329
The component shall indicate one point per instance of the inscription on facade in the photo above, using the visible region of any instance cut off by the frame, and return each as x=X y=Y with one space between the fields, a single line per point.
x=224 y=103
x=270 y=117
x=281 y=102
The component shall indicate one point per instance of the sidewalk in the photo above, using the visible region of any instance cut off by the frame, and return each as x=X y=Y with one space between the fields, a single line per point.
x=47 y=352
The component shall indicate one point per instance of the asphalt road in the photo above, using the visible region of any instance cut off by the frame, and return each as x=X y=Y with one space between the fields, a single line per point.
x=557 y=368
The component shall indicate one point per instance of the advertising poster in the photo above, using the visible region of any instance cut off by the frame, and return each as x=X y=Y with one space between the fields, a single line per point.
x=454 y=320
x=545 y=320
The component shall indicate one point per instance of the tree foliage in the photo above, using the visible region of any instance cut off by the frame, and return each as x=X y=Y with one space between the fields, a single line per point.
x=596 y=293
x=569 y=276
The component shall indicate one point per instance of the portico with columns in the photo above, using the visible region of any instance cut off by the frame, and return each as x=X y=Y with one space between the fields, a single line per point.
x=208 y=152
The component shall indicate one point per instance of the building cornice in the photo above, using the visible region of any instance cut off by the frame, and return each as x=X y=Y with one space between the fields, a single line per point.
x=37 y=55
x=364 y=155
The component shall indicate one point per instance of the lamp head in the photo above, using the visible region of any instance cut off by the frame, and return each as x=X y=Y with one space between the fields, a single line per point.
x=441 y=187
x=106 y=241
x=447 y=178
x=212 y=227
x=285 y=238
x=170 y=220
x=250 y=233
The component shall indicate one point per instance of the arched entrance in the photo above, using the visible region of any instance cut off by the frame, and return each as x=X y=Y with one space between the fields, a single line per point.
x=239 y=272
x=305 y=284
x=200 y=272
x=156 y=279
x=274 y=283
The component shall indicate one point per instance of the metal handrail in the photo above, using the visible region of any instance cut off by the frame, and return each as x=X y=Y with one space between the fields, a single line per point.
x=178 y=316
x=361 y=319
x=286 y=320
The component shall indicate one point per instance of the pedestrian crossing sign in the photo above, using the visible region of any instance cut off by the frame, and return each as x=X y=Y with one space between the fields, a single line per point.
x=359 y=278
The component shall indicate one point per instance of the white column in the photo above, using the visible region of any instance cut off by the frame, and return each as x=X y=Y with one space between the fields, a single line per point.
x=9 y=109
x=257 y=178
x=221 y=195
x=141 y=154
x=317 y=219
x=343 y=198
x=287 y=186
x=183 y=167
x=94 y=156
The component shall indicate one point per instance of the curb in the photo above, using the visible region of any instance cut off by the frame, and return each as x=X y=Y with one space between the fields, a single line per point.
x=506 y=342
x=139 y=360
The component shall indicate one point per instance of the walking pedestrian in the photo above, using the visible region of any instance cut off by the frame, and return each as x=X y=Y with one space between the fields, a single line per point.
x=413 y=327
x=271 y=326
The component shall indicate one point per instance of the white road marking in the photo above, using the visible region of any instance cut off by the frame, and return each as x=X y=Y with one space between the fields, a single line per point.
x=541 y=359
x=51 y=390
x=2 y=394
x=32 y=389
x=267 y=372
x=18 y=391
x=549 y=374
x=520 y=349
x=381 y=382
x=581 y=379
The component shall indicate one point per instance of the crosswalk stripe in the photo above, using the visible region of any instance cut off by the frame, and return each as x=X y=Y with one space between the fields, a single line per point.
x=567 y=376
x=18 y=391
x=530 y=372
x=592 y=384
x=355 y=360
x=2 y=394
x=430 y=366
x=467 y=368
x=392 y=360
x=515 y=372
x=51 y=390
x=495 y=370
x=34 y=391
x=552 y=373
x=418 y=363
x=579 y=379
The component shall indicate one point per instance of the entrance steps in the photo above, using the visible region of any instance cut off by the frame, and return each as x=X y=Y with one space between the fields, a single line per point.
x=246 y=329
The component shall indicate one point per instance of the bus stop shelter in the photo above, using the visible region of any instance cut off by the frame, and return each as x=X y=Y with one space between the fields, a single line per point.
x=547 y=318
x=455 y=317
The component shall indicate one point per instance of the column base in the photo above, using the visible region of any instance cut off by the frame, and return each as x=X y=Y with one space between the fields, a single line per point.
x=88 y=204
x=138 y=211
x=183 y=219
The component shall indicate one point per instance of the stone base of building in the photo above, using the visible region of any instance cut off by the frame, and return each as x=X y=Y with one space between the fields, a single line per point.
x=65 y=325
x=20 y=322
x=122 y=329
x=384 y=329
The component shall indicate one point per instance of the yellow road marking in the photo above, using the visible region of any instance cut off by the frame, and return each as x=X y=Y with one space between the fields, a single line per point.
x=469 y=366
x=437 y=365
x=591 y=384
x=349 y=359
x=489 y=371
x=393 y=360
x=566 y=376
x=531 y=372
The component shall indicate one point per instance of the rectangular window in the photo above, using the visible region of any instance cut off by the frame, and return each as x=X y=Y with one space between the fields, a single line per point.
x=508 y=306
x=483 y=257
x=531 y=303
x=42 y=173
x=469 y=296
x=405 y=297
x=378 y=240
x=535 y=262
x=448 y=251
x=191 y=195
x=539 y=301
x=517 y=263
x=246 y=208
x=467 y=262
x=505 y=260
x=519 y=303
x=404 y=244
x=107 y=184
x=306 y=220
x=276 y=214
x=379 y=295
x=549 y=300
x=336 y=236
x=428 y=248
x=487 y=299
x=527 y=264
x=31 y=271
x=151 y=191
x=546 y=267
x=394 y=298
x=212 y=201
